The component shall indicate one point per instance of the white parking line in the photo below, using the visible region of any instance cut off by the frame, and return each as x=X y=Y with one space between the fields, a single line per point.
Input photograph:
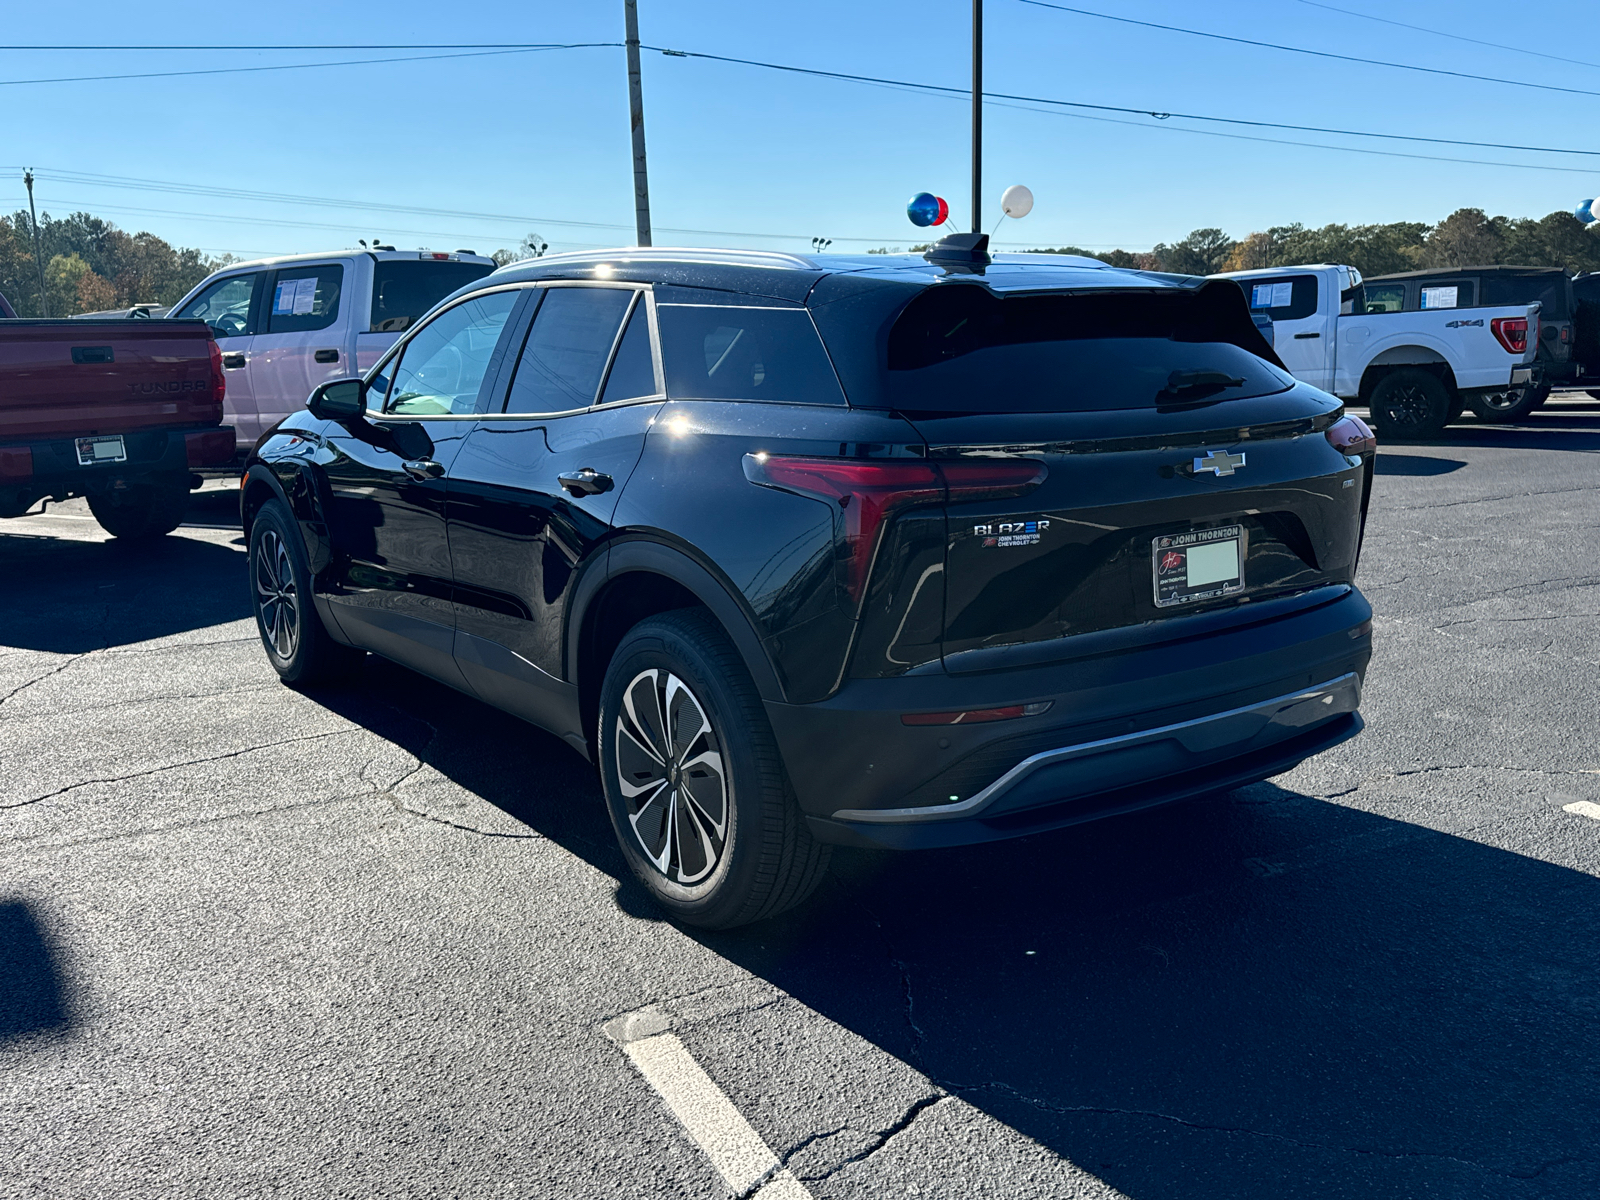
x=727 y=1139
x=1584 y=808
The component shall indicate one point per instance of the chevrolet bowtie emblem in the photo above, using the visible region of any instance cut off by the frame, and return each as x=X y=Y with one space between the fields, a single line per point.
x=1219 y=462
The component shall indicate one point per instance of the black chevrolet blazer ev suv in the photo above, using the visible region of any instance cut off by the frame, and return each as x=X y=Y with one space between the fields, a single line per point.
x=874 y=551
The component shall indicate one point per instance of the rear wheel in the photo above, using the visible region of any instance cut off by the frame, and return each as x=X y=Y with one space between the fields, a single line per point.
x=1409 y=404
x=694 y=784
x=297 y=644
x=142 y=510
x=1510 y=405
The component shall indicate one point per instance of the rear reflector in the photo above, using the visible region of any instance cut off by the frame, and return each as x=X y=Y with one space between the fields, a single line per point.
x=869 y=490
x=977 y=716
x=209 y=447
x=16 y=462
x=1352 y=435
x=1511 y=332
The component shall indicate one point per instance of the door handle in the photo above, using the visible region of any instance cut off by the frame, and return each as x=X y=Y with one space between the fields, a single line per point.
x=586 y=481
x=232 y=362
x=423 y=468
x=1299 y=336
x=326 y=356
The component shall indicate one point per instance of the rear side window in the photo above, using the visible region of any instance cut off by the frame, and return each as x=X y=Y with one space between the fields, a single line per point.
x=633 y=371
x=1447 y=293
x=1383 y=298
x=567 y=349
x=402 y=291
x=305 y=298
x=717 y=352
x=1290 y=299
x=959 y=348
x=1548 y=290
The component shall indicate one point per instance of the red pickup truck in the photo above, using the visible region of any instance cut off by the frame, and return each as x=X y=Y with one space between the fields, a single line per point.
x=120 y=412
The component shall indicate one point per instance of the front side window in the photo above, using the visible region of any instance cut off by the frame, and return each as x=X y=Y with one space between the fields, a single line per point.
x=305 y=298
x=225 y=305
x=713 y=352
x=441 y=369
x=567 y=349
x=1384 y=297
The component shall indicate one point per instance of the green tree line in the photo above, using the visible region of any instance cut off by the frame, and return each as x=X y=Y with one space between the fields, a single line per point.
x=1467 y=237
x=90 y=264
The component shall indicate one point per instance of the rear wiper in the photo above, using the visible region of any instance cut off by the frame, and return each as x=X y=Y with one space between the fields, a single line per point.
x=1186 y=386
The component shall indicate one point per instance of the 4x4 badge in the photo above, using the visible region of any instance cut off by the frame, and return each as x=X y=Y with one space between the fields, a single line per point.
x=1219 y=462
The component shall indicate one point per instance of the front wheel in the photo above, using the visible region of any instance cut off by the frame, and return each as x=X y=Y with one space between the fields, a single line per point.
x=1510 y=405
x=695 y=786
x=1409 y=404
x=141 y=511
x=297 y=644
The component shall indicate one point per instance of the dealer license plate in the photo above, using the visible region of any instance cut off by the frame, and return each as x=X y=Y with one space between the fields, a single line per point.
x=93 y=450
x=1200 y=565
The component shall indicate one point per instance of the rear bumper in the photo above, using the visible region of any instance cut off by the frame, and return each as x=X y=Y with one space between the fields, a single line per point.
x=1199 y=703
x=46 y=468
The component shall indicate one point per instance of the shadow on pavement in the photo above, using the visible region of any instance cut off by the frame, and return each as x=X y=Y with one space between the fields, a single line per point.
x=68 y=597
x=1390 y=463
x=32 y=995
x=1262 y=994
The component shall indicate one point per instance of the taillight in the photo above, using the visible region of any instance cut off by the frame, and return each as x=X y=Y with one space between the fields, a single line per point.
x=219 y=381
x=1511 y=332
x=868 y=491
x=1351 y=435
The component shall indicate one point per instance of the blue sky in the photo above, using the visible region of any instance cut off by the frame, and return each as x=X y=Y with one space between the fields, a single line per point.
x=507 y=144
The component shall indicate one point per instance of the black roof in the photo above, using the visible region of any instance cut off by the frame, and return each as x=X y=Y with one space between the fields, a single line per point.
x=1489 y=270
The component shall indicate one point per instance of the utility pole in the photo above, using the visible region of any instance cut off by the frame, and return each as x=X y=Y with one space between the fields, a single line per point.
x=977 y=114
x=38 y=255
x=641 y=181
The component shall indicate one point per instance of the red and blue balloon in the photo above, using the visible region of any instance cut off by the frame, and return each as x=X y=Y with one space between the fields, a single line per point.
x=926 y=209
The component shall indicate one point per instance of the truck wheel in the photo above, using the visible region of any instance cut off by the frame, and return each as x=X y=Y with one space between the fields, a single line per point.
x=1409 y=404
x=1540 y=396
x=297 y=644
x=142 y=510
x=695 y=786
x=1510 y=405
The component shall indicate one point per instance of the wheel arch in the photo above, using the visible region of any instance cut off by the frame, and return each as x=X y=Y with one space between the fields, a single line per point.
x=643 y=578
x=1397 y=358
x=301 y=495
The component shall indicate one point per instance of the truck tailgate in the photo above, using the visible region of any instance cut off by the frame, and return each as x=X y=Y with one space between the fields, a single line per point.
x=77 y=378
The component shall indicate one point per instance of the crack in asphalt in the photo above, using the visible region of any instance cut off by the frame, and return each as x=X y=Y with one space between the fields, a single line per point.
x=131 y=701
x=311 y=737
x=1207 y=1127
x=48 y=674
x=396 y=804
x=918 y=1037
x=883 y=1136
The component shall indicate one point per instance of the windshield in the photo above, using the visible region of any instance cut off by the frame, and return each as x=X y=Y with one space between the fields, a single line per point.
x=962 y=349
x=403 y=290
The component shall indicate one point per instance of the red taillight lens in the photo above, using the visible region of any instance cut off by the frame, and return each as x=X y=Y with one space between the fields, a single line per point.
x=219 y=381
x=1511 y=332
x=868 y=491
x=1351 y=435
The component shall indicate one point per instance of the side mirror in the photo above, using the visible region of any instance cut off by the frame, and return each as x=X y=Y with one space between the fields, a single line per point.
x=338 y=400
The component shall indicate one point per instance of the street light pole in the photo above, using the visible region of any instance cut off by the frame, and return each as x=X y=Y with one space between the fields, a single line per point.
x=38 y=254
x=977 y=115
x=641 y=182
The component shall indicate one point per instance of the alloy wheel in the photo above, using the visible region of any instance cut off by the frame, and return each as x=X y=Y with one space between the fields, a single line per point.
x=670 y=772
x=1409 y=404
x=277 y=599
x=1501 y=401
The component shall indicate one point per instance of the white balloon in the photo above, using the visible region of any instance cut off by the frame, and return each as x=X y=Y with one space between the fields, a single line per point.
x=1017 y=201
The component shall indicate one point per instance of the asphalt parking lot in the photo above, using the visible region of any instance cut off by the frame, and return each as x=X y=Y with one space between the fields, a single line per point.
x=375 y=940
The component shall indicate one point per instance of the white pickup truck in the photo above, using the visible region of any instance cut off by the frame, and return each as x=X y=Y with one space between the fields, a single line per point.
x=1416 y=371
x=286 y=324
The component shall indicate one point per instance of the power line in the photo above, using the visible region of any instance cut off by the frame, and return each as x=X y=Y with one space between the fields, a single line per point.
x=1456 y=37
x=1371 y=62
x=1160 y=115
x=328 y=46
x=354 y=62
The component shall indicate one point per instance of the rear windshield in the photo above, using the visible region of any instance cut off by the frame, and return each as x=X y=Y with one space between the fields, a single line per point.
x=723 y=352
x=402 y=291
x=961 y=349
x=1548 y=290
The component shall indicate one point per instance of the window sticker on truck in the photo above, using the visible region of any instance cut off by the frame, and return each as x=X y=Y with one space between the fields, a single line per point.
x=1440 y=297
x=294 y=297
x=1272 y=295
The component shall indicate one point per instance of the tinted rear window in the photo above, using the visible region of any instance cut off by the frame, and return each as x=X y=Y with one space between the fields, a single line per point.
x=1548 y=290
x=715 y=352
x=402 y=291
x=961 y=349
x=1289 y=299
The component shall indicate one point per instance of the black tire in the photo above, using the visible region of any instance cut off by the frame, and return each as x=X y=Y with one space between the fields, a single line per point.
x=142 y=510
x=1540 y=396
x=677 y=700
x=1408 y=404
x=298 y=646
x=1513 y=404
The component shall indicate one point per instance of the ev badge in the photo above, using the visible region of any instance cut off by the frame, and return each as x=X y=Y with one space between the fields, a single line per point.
x=1219 y=462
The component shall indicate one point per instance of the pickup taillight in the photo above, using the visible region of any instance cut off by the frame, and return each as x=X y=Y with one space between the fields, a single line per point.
x=219 y=381
x=1512 y=333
